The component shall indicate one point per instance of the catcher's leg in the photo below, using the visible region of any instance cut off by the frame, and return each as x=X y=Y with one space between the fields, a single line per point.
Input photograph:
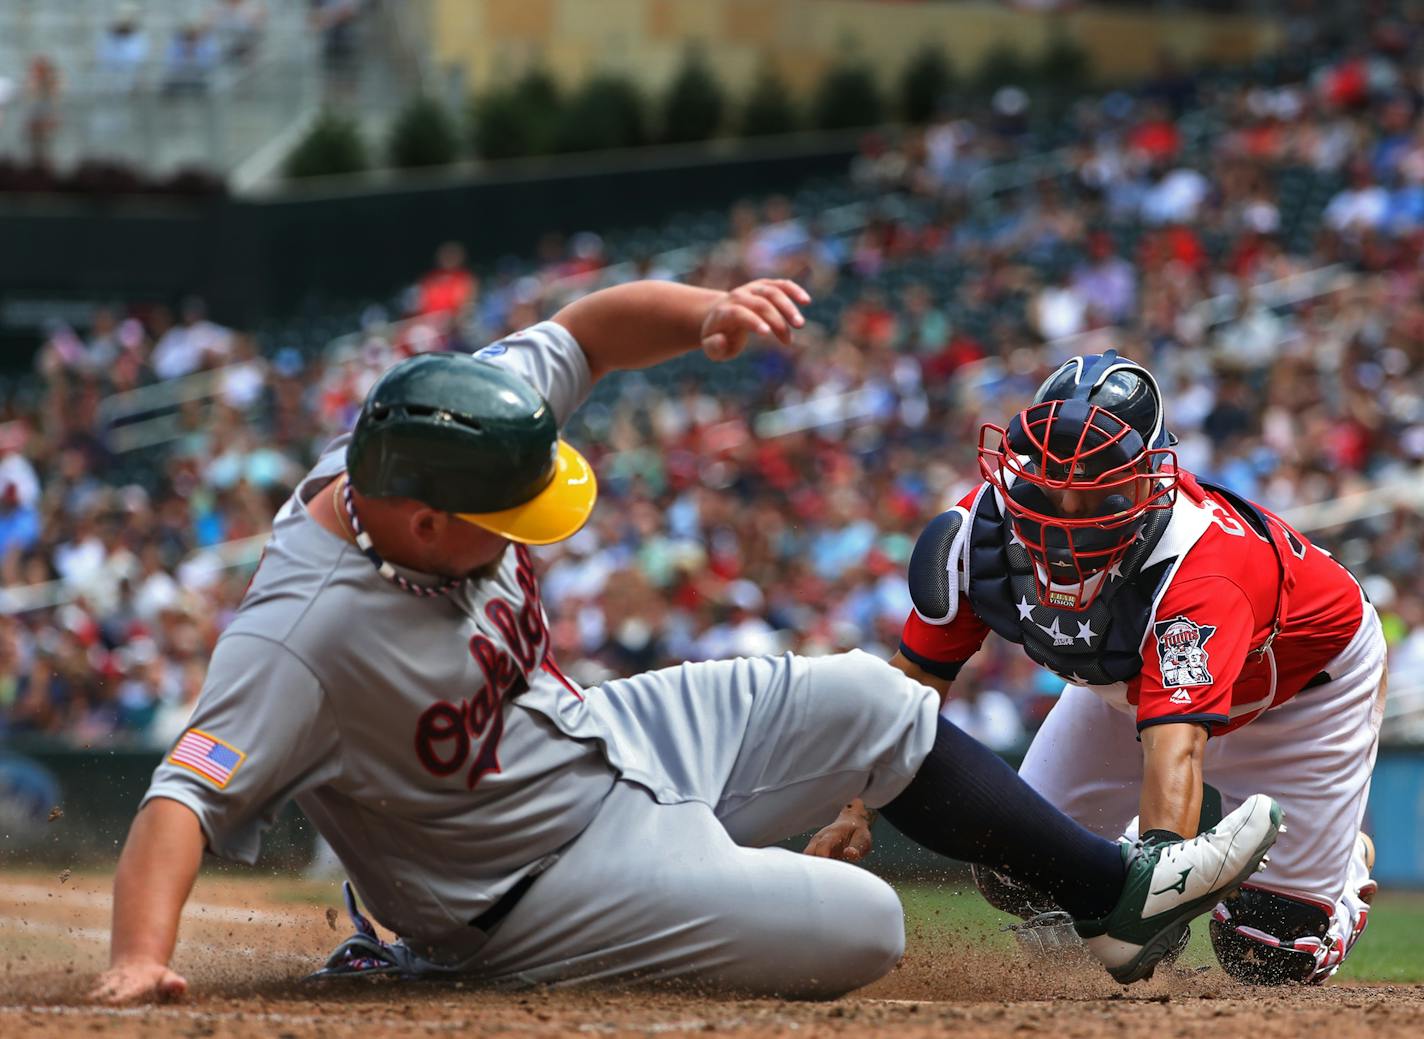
x=1085 y=761
x=1315 y=754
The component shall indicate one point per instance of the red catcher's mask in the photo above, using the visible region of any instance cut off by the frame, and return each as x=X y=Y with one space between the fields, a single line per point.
x=1059 y=452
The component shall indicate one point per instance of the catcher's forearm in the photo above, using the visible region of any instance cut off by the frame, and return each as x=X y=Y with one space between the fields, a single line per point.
x=638 y=324
x=1172 y=778
x=156 y=872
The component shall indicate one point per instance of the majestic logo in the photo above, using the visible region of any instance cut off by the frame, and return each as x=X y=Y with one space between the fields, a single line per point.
x=1181 y=696
x=1181 y=649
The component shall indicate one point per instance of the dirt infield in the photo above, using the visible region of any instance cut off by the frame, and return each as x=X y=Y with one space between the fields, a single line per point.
x=246 y=942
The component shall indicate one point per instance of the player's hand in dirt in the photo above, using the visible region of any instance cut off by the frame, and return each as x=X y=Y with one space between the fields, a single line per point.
x=767 y=306
x=848 y=838
x=138 y=982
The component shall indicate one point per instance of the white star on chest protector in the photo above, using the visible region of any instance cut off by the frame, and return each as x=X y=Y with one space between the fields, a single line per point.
x=1025 y=610
x=1014 y=538
x=1086 y=632
x=1115 y=571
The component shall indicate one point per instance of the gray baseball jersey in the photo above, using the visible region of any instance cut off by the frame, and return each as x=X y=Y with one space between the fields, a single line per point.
x=437 y=747
x=415 y=733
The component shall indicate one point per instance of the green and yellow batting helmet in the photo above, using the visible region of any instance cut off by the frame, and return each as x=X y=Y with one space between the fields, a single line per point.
x=472 y=438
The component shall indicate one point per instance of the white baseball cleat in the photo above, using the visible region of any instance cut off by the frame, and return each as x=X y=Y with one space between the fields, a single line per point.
x=1171 y=882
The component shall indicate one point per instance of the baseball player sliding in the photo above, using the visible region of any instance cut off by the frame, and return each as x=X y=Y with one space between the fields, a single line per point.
x=1181 y=614
x=389 y=669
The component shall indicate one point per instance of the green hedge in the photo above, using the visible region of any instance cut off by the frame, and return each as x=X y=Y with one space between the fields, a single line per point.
x=333 y=145
x=848 y=97
x=424 y=134
x=515 y=120
x=925 y=86
x=695 y=104
x=532 y=117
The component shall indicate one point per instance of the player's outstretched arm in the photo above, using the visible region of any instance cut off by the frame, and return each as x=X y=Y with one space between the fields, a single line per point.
x=156 y=872
x=645 y=322
x=1171 y=797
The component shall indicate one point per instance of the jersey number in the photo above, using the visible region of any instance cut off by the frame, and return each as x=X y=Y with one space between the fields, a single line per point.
x=1224 y=519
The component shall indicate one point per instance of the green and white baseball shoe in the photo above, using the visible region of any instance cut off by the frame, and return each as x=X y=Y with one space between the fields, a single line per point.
x=1171 y=882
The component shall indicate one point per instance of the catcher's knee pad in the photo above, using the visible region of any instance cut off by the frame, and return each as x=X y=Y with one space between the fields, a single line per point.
x=1008 y=895
x=1254 y=936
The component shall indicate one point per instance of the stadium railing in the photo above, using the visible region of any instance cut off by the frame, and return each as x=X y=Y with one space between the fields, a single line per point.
x=148 y=416
x=230 y=555
x=127 y=114
x=1284 y=292
x=1195 y=127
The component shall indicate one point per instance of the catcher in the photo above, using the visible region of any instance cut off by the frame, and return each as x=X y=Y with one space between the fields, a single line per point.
x=1182 y=616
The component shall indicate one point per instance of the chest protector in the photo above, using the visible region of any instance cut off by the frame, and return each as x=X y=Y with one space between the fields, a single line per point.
x=1099 y=645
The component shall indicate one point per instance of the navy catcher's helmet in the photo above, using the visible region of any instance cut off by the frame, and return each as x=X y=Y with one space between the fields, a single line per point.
x=1115 y=384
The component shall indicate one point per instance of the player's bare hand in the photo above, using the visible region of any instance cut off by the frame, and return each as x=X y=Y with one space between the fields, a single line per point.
x=767 y=306
x=138 y=982
x=848 y=839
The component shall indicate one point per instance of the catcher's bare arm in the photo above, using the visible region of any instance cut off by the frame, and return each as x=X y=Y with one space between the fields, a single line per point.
x=1172 y=778
x=155 y=876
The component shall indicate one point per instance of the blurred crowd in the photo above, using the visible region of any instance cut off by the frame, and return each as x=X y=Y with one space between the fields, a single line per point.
x=1257 y=244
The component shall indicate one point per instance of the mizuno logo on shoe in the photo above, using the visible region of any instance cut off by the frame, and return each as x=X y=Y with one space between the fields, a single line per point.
x=1180 y=887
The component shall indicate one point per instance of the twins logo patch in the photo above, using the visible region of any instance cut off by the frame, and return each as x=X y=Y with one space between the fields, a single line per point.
x=1181 y=649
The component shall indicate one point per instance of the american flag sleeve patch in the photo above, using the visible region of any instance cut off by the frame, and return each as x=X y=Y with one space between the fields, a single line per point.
x=208 y=756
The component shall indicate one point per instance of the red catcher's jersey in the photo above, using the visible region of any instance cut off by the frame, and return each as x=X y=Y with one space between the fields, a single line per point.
x=1219 y=606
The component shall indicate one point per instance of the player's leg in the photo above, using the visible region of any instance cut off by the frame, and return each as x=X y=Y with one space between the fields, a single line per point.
x=1315 y=754
x=843 y=726
x=660 y=892
x=778 y=744
x=1084 y=760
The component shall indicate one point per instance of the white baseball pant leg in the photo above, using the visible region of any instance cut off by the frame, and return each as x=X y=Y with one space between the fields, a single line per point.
x=1315 y=755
